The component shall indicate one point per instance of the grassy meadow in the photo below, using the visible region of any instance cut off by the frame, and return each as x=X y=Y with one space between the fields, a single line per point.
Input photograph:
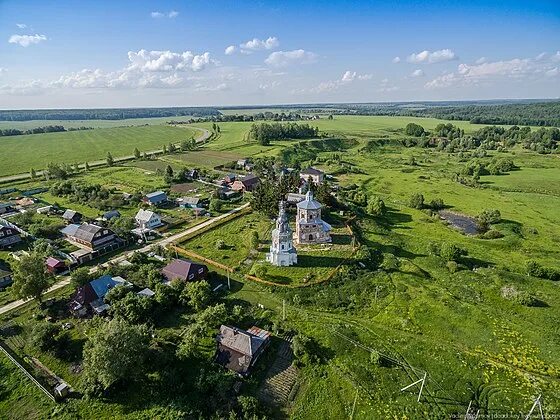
x=37 y=150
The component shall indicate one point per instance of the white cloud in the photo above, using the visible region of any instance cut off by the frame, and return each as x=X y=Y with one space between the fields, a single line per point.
x=432 y=56
x=541 y=56
x=256 y=44
x=556 y=57
x=146 y=69
x=286 y=58
x=21 y=25
x=517 y=69
x=346 y=78
x=396 y=60
x=481 y=60
x=3 y=70
x=34 y=87
x=553 y=72
x=26 y=40
x=158 y=15
x=230 y=50
x=218 y=88
x=417 y=73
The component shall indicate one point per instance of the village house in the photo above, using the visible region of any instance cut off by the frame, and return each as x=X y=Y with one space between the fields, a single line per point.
x=238 y=350
x=45 y=210
x=92 y=295
x=71 y=216
x=92 y=240
x=111 y=214
x=230 y=178
x=294 y=198
x=55 y=266
x=6 y=208
x=316 y=176
x=247 y=183
x=310 y=228
x=147 y=220
x=184 y=270
x=156 y=198
x=192 y=202
x=24 y=202
x=5 y=278
x=9 y=236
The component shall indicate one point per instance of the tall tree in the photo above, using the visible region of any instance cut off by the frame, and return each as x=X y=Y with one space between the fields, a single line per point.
x=31 y=278
x=137 y=153
x=110 y=160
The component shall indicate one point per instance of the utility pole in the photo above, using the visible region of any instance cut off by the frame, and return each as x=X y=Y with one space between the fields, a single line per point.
x=423 y=380
x=228 y=282
x=284 y=309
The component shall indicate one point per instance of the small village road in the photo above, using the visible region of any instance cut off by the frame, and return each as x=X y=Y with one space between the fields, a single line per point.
x=162 y=242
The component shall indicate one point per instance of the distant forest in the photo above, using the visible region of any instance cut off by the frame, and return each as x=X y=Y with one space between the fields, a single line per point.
x=526 y=112
x=523 y=112
x=104 y=114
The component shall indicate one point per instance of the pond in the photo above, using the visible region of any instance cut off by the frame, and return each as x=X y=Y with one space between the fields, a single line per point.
x=465 y=224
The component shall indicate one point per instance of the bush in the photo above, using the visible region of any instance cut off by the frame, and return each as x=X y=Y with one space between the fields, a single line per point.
x=451 y=252
x=433 y=249
x=376 y=206
x=413 y=129
x=44 y=336
x=305 y=350
x=493 y=234
x=452 y=266
x=220 y=244
x=416 y=201
x=536 y=270
x=489 y=217
x=437 y=204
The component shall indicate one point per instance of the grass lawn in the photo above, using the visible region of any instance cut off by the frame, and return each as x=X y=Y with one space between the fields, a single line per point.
x=81 y=146
x=236 y=235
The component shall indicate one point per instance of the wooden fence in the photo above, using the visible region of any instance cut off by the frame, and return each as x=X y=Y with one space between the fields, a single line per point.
x=6 y=350
x=196 y=256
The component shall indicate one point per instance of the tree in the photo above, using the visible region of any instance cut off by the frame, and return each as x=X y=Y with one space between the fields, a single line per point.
x=132 y=307
x=86 y=166
x=80 y=277
x=33 y=173
x=31 y=278
x=114 y=352
x=489 y=217
x=416 y=201
x=110 y=160
x=168 y=173
x=215 y=205
x=220 y=244
x=451 y=252
x=437 y=204
x=260 y=271
x=413 y=129
x=164 y=149
x=197 y=294
x=44 y=336
x=255 y=239
x=376 y=206
x=137 y=154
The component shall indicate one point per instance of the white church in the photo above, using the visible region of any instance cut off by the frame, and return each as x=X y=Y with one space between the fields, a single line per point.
x=282 y=251
x=310 y=228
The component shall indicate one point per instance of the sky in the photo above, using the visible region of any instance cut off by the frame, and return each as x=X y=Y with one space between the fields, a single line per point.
x=87 y=54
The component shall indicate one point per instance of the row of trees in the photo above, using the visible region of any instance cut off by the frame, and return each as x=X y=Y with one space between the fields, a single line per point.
x=265 y=133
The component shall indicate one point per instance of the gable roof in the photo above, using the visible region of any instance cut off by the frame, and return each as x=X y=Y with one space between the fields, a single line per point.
x=111 y=213
x=103 y=284
x=191 y=200
x=156 y=196
x=311 y=171
x=240 y=340
x=53 y=262
x=144 y=215
x=70 y=214
x=70 y=230
x=180 y=269
x=87 y=231
x=250 y=179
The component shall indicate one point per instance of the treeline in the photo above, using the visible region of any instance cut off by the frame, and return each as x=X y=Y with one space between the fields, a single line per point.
x=104 y=114
x=259 y=116
x=449 y=138
x=40 y=130
x=265 y=133
x=545 y=113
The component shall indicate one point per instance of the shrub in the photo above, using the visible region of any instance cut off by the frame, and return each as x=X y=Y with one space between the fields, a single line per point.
x=452 y=266
x=433 y=249
x=493 y=234
x=489 y=217
x=437 y=204
x=44 y=336
x=451 y=252
x=220 y=244
x=416 y=201
x=376 y=206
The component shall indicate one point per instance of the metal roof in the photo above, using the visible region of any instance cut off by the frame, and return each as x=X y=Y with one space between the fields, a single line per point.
x=309 y=203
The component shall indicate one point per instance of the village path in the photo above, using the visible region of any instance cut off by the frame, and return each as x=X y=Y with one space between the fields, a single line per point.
x=18 y=177
x=162 y=242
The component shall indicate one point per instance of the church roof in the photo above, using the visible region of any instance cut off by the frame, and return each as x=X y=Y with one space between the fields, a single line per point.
x=309 y=203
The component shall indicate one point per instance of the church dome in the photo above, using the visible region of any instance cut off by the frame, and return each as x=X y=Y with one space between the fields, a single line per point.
x=309 y=203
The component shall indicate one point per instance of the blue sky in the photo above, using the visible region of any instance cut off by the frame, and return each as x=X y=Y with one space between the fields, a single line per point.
x=144 y=53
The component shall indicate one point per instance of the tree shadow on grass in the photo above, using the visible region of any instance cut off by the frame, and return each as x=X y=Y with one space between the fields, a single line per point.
x=316 y=261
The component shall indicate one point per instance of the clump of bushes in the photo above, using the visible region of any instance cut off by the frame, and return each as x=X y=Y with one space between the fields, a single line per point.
x=536 y=270
x=521 y=297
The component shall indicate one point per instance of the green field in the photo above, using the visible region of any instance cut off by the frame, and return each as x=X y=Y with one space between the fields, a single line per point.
x=37 y=150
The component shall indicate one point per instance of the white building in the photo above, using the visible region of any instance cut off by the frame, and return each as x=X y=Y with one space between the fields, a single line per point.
x=146 y=219
x=315 y=175
x=282 y=251
x=310 y=228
